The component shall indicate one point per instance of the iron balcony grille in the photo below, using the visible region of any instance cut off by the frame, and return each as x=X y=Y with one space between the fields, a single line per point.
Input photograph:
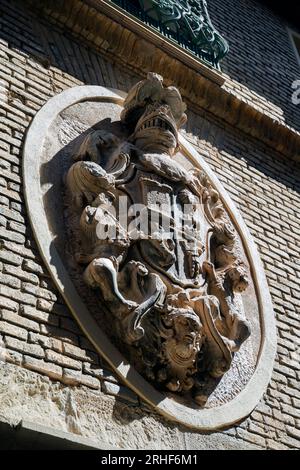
x=212 y=47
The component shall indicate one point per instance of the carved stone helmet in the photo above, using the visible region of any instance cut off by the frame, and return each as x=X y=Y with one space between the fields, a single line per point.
x=154 y=113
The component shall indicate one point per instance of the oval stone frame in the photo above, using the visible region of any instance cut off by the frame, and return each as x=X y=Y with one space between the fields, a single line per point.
x=202 y=419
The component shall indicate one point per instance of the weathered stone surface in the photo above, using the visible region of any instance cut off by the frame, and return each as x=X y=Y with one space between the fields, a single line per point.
x=17 y=295
x=19 y=320
x=10 y=281
x=87 y=412
x=59 y=333
x=62 y=360
x=13 y=330
x=26 y=348
x=45 y=341
x=20 y=274
x=8 y=304
x=78 y=353
x=51 y=370
x=71 y=376
x=9 y=257
x=265 y=188
x=33 y=267
x=217 y=442
x=39 y=316
x=117 y=390
x=92 y=382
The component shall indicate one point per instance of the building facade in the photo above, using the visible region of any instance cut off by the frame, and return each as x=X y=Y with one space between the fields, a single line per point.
x=244 y=120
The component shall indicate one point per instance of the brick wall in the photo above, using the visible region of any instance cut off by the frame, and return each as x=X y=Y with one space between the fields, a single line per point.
x=266 y=191
x=261 y=60
x=37 y=328
x=37 y=62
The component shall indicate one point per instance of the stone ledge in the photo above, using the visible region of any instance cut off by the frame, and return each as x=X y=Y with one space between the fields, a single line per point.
x=120 y=39
x=28 y=435
x=94 y=420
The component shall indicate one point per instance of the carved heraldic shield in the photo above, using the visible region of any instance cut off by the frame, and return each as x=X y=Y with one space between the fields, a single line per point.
x=157 y=247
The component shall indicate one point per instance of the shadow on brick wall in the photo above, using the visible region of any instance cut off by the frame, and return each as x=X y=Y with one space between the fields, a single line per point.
x=261 y=55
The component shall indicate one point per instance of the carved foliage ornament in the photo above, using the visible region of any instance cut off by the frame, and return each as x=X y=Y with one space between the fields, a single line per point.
x=149 y=252
x=170 y=274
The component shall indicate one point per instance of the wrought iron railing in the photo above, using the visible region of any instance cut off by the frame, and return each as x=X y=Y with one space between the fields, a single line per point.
x=193 y=33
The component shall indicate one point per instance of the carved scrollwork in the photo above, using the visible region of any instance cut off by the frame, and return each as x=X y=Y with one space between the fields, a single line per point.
x=171 y=273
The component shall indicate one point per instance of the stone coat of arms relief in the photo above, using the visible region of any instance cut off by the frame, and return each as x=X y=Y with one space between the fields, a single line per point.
x=169 y=276
x=149 y=252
